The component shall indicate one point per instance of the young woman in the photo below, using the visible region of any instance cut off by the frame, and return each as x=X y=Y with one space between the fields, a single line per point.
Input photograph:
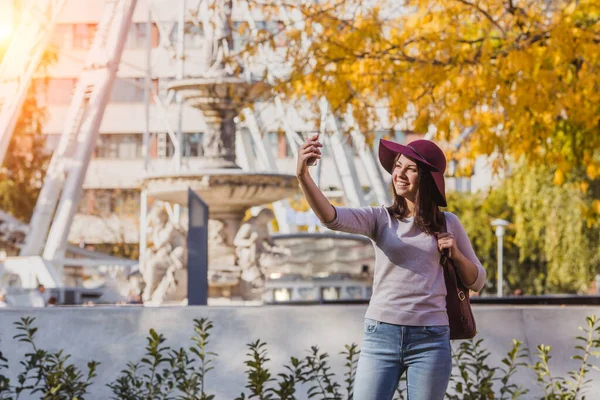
x=406 y=324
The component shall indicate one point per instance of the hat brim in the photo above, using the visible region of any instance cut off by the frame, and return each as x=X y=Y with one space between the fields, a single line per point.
x=388 y=151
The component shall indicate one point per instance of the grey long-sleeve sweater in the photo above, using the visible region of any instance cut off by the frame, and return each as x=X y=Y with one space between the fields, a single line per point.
x=408 y=285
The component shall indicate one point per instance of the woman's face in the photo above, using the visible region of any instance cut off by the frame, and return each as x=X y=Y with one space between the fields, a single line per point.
x=405 y=177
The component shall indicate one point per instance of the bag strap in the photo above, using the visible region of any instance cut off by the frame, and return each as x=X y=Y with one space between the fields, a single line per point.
x=446 y=262
x=444 y=229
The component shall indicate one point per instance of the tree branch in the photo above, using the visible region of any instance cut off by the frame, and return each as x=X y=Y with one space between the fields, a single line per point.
x=485 y=13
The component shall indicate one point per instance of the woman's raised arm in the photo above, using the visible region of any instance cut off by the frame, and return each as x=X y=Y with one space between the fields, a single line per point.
x=307 y=153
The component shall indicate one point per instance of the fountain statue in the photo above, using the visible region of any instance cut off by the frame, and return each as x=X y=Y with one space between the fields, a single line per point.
x=256 y=250
x=228 y=190
x=160 y=266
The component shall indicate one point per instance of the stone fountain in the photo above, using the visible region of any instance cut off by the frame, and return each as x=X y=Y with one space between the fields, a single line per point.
x=220 y=182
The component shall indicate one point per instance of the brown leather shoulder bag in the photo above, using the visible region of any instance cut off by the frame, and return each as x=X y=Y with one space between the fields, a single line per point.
x=458 y=305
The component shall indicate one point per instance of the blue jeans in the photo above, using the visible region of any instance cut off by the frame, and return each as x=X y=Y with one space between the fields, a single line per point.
x=390 y=350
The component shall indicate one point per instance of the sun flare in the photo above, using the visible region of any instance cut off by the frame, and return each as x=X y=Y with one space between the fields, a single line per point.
x=6 y=32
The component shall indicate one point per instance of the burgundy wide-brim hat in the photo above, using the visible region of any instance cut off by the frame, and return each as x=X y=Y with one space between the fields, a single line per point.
x=422 y=151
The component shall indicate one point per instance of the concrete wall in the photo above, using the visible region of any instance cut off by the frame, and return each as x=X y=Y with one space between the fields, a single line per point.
x=116 y=336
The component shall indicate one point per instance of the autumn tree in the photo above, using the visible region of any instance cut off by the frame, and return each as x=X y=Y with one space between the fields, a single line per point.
x=24 y=166
x=524 y=74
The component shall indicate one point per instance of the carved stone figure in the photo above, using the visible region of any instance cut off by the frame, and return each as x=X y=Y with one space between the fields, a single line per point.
x=217 y=236
x=256 y=250
x=217 y=34
x=219 y=140
x=163 y=264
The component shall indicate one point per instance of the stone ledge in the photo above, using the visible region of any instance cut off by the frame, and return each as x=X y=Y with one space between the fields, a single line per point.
x=116 y=335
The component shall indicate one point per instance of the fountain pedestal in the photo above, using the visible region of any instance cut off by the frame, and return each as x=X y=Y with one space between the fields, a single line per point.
x=220 y=98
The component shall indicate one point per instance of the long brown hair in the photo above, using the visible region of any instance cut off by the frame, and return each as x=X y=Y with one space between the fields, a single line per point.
x=428 y=216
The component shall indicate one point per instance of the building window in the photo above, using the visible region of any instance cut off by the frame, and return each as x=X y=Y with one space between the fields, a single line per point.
x=192 y=32
x=241 y=32
x=394 y=135
x=194 y=35
x=83 y=35
x=277 y=145
x=126 y=202
x=58 y=91
x=174 y=33
x=101 y=204
x=117 y=146
x=85 y=202
x=273 y=141
x=77 y=36
x=105 y=202
x=62 y=37
x=284 y=150
x=113 y=146
x=137 y=38
x=191 y=145
x=127 y=90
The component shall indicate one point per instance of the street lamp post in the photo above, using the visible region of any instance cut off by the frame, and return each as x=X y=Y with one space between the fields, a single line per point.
x=500 y=225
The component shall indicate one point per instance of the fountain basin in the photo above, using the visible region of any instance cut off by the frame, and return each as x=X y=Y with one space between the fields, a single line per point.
x=326 y=253
x=225 y=92
x=225 y=191
x=229 y=193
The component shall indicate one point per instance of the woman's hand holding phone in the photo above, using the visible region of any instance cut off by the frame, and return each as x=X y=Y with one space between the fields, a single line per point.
x=308 y=154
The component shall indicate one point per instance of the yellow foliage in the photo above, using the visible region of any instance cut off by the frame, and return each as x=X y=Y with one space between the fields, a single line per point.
x=592 y=171
x=524 y=73
x=596 y=206
x=559 y=177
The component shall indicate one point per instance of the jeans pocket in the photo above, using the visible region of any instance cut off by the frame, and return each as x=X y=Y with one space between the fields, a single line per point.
x=437 y=330
x=370 y=325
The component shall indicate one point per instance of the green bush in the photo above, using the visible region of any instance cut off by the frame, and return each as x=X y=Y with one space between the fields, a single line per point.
x=166 y=373
x=45 y=373
x=473 y=377
x=571 y=386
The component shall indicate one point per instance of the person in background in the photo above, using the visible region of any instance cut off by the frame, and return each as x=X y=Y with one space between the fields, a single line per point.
x=52 y=301
x=37 y=297
x=135 y=297
x=3 y=303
